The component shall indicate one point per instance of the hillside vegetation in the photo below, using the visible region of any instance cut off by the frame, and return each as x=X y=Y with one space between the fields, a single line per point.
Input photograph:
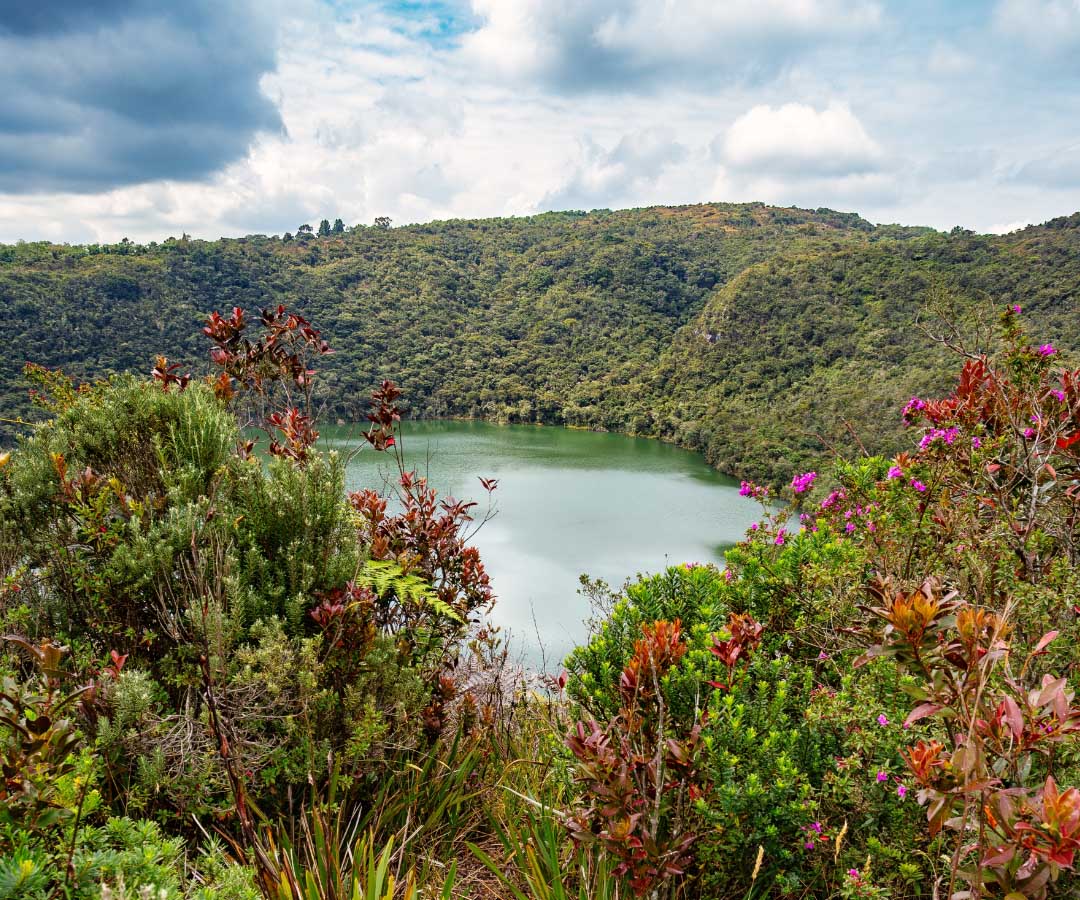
x=734 y=329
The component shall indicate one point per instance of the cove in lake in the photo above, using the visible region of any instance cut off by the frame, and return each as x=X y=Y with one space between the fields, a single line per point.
x=568 y=502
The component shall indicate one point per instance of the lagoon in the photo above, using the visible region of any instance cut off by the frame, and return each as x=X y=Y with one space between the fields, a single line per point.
x=568 y=503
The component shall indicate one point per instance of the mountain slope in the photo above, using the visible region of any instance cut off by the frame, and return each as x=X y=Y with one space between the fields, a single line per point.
x=740 y=330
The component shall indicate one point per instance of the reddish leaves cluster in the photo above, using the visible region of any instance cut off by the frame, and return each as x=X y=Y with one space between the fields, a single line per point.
x=278 y=356
x=745 y=636
x=995 y=728
x=637 y=774
x=427 y=538
x=384 y=416
x=165 y=372
x=299 y=436
x=657 y=651
x=281 y=357
x=977 y=400
x=347 y=618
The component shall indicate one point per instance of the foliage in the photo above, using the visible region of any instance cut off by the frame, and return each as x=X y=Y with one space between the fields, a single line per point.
x=695 y=324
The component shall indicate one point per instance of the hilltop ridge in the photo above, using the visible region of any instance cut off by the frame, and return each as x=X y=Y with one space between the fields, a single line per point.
x=734 y=329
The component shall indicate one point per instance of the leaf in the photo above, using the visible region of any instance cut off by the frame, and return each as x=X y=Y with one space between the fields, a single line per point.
x=921 y=712
x=1051 y=687
x=1045 y=639
x=1014 y=717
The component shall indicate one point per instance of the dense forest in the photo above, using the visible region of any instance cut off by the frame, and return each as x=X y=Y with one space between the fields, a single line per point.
x=737 y=330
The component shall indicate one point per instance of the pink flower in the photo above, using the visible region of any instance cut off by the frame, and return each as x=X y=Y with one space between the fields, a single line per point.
x=1060 y=395
x=1029 y=433
x=779 y=538
x=1016 y=308
x=817 y=827
x=976 y=443
x=809 y=845
x=901 y=792
x=883 y=719
x=913 y=406
x=882 y=777
x=823 y=655
x=850 y=527
x=1047 y=350
x=918 y=485
x=853 y=873
x=871 y=527
x=896 y=472
x=802 y=483
x=753 y=526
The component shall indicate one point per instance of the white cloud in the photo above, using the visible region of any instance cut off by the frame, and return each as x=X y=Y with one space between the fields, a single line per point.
x=948 y=60
x=797 y=140
x=1048 y=26
x=381 y=118
x=628 y=44
x=628 y=172
x=1008 y=227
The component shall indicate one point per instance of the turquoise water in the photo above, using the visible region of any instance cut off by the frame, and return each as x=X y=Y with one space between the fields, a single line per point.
x=568 y=502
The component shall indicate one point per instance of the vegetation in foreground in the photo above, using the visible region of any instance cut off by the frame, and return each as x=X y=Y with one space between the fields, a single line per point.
x=226 y=678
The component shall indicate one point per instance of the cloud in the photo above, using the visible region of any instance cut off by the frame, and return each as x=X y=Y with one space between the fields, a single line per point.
x=1049 y=27
x=947 y=60
x=621 y=175
x=1008 y=227
x=1057 y=170
x=621 y=45
x=431 y=109
x=797 y=140
x=123 y=92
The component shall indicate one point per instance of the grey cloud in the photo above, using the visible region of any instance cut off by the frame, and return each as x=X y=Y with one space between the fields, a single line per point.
x=140 y=91
x=618 y=45
x=1061 y=170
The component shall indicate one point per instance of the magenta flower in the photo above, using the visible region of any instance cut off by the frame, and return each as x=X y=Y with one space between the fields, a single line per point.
x=853 y=873
x=850 y=527
x=883 y=719
x=809 y=845
x=817 y=827
x=913 y=406
x=753 y=526
x=1047 y=350
x=802 y=483
x=901 y=792
x=1060 y=395
x=918 y=485
x=1016 y=308
x=823 y=655
x=871 y=527
x=1029 y=433
x=896 y=472
x=779 y=538
x=976 y=443
x=882 y=777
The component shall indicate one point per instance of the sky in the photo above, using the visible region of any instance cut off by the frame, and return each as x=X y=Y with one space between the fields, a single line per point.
x=147 y=119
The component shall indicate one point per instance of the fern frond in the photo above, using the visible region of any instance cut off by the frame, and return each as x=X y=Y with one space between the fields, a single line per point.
x=387 y=577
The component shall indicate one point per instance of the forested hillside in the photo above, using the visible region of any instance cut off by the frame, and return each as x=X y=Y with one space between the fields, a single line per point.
x=734 y=329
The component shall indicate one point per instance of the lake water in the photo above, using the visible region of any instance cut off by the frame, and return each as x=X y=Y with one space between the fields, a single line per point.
x=568 y=502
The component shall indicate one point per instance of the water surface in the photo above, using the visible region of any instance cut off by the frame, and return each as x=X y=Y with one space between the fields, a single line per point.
x=568 y=502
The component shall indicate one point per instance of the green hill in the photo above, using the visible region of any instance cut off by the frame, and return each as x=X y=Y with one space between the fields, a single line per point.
x=746 y=331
